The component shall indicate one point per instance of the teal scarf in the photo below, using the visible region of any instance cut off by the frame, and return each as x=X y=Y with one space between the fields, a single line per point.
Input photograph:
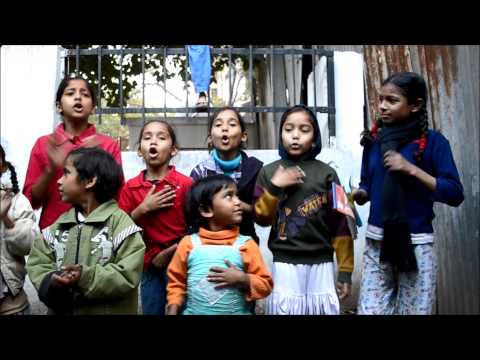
x=227 y=165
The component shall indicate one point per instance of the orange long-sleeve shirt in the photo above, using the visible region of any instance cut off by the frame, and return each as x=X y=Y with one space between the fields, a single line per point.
x=261 y=283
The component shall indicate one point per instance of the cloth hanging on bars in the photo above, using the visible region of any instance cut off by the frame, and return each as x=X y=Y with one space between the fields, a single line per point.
x=200 y=66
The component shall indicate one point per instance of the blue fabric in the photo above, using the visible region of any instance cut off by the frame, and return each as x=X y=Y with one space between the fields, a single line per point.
x=227 y=165
x=200 y=66
x=202 y=298
x=437 y=161
x=153 y=291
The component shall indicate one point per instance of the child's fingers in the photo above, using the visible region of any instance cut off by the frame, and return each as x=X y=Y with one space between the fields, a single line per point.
x=165 y=196
x=343 y=290
x=163 y=199
x=168 y=196
x=165 y=189
x=152 y=189
x=60 y=280
x=91 y=141
x=222 y=285
x=229 y=264
x=214 y=278
x=300 y=170
x=296 y=173
x=389 y=153
x=217 y=269
x=161 y=206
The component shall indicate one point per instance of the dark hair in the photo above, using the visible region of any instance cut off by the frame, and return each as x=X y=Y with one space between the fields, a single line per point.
x=64 y=83
x=96 y=162
x=13 y=173
x=413 y=87
x=215 y=115
x=317 y=139
x=411 y=84
x=201 y=195
x=170 y=130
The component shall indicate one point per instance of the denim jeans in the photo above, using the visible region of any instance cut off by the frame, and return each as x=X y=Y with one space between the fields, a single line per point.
x=153 y=291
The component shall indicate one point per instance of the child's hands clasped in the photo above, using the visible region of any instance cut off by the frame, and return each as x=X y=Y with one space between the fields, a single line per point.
x=69 y=277
x=162 y=199
x=284 y=177
x=231 y=276
x=343 y=290
x=394 y=161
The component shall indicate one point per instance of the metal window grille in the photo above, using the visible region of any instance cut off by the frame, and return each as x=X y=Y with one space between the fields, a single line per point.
x=251 y=51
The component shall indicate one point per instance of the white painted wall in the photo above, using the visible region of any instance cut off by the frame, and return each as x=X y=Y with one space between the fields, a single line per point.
x=29 y=77
x=345 y=152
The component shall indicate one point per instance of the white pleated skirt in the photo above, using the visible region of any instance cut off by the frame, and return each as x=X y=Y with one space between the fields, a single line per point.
x=303 y=290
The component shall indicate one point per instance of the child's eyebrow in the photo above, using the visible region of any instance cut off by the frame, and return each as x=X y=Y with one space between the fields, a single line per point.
x=230 y=192
x=82 y=90
x=226 y=119
x=160 y=132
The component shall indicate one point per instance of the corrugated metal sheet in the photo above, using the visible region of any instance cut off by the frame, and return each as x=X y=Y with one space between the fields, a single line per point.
x=452 y=74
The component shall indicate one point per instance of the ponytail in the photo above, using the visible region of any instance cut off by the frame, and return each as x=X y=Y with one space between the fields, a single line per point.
x=369 y=136
x=422 y=141
x=13 y=178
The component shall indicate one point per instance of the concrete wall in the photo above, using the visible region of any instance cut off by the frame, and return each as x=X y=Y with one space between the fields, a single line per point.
x=29 y=77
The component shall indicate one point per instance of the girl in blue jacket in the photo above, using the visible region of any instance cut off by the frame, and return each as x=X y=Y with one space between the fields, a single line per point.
x=405 y=169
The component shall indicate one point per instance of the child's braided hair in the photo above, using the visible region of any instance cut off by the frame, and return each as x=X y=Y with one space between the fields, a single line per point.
x=13 y=173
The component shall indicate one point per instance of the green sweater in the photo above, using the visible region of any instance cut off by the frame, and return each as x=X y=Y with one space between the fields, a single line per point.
x=110 y=249
x=305 y=228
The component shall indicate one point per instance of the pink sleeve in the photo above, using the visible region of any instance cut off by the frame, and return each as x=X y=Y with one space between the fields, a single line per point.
x=116 y=152
x=35 y=168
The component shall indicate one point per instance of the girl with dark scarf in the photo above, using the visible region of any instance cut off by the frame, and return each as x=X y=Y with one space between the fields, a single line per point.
x=293 y=195
x=405 y=168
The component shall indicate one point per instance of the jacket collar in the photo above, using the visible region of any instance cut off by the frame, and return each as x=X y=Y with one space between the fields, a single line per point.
x=100 y=214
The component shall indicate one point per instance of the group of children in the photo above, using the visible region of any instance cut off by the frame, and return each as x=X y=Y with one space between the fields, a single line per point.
x=190 y=241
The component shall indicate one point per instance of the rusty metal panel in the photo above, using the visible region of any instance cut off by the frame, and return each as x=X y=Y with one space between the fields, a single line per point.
x=452 y=74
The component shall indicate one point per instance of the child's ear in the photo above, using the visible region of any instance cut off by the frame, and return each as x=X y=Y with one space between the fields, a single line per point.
x=93 y=110
x=209 y=140
x=59 y=108
x=244 y=137
x=174 y=151
x=417 y=105
x=205 y=211
x=90 y=183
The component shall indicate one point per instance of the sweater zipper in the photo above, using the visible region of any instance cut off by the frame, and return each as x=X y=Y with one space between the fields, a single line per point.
x=78 y=242
x=76 y=262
